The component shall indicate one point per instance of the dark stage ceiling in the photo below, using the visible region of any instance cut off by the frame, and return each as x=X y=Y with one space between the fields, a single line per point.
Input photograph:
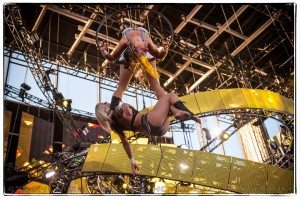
x=215 y=46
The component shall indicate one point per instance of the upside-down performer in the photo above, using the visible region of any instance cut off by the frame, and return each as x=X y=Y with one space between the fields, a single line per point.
x=135 y=49
x=154 y=123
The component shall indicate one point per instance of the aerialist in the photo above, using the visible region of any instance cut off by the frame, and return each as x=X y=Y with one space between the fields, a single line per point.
x=135 y=48
x=155 y=123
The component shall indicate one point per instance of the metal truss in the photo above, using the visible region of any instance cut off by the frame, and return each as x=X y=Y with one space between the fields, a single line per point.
x=185 y=130
x=25 y=41
x=85 y=72
x=283 y=156
x=13 y=92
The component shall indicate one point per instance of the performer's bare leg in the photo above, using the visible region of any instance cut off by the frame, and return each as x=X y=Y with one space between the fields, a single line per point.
x=154 y=83
x=124 y=79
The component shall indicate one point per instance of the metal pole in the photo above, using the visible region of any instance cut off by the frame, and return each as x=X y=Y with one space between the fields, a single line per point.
x=7 y=67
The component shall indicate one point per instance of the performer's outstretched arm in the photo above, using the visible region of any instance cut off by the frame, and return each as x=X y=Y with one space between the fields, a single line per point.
x=127 y=148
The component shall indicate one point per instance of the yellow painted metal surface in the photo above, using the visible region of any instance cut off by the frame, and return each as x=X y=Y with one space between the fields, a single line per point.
x=24 y=142
x=6 y=126
x=201 y=168
x=253 y=98
x=147 y=158
x=211 y=170
x=208 y=101
x=34 y=187
x=280 y=181
x=78 y=186
x=176 y=163
x=287 y=104
x=233 y=98
x=272 y=100
x=95 y=158
x=116 y=160
x=247 y=177
x=237 y=98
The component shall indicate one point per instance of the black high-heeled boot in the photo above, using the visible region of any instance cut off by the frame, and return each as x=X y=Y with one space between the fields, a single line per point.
x=179 y=105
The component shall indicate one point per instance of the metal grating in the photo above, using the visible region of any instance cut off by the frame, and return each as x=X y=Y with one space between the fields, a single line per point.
x=177 y=164
x=95 y=158
x=117 y=160
x=279 y=180
x=247 y=177
x=211 y=170
x=233 y=98
x=147 y=158
x=210 y=101
x=201 y=168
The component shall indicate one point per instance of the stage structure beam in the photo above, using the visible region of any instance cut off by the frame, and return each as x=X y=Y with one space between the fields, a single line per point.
x=26 y=45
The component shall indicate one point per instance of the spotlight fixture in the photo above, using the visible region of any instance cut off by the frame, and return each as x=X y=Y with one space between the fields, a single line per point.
x=224 y=136
x=67 y=104
x=58 y=97
x=50 y=173
x=23 y=90
x=25 y=86
x=273 y=145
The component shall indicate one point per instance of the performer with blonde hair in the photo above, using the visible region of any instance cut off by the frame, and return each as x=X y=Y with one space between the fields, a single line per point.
x=154 y=123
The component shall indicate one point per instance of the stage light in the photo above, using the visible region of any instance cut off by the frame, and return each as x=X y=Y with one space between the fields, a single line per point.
x=67 y=104
x=100 y=136
x=125 y=186
x=50 y=174
x=224 y=136
x=58 y=97
x=22 y=93
x=18 y=153
x=50 y=149
x=23 y=90
x=25 y=86
x=26 y=164
x=273 y=145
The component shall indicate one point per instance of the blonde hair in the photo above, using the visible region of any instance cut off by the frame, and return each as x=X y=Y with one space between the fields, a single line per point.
x=102 y=117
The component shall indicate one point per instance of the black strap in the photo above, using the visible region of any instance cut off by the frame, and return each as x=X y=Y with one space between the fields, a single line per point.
x=134 y=114
x=179 y=105
x=115 y=101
